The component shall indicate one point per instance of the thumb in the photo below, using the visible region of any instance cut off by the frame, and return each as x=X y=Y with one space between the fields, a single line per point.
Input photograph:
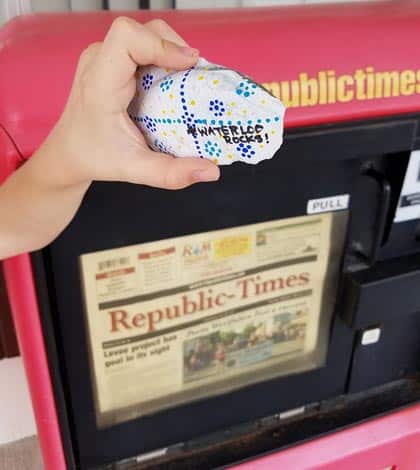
x=161 y=170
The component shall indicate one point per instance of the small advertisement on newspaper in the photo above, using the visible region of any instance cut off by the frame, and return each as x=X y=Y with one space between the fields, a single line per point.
x=181 y=319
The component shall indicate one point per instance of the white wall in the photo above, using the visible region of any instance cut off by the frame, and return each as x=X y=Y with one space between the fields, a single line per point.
x=50 y=5
x=123 y=4
x=184 y=4
x=11 y=8
x=16 y=415
x=159 y=4
x=86 y=5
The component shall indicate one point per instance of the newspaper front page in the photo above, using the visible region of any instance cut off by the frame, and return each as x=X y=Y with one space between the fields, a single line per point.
x=181 y=319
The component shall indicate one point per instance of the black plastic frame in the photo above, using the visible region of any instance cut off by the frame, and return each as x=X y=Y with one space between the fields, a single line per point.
x=324 y=160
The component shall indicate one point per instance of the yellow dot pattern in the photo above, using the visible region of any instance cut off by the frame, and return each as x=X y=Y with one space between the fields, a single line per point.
x=232 y=109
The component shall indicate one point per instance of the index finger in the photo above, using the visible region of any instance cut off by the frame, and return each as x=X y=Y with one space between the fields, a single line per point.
x=129 y=44
x=161 y=28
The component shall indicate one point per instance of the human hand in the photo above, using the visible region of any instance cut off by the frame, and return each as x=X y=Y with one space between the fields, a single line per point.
x=95 y=138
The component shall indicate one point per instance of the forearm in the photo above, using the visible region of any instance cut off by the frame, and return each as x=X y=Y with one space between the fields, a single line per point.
x=95 y=139
x=37 y=202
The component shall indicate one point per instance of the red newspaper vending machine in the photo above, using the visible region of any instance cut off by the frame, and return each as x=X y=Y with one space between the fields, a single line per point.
x=315 y=252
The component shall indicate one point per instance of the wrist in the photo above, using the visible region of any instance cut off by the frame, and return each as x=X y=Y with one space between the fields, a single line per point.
x=54 y=164
x=47 y=171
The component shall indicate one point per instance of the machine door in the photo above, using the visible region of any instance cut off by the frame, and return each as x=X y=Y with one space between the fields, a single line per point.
x=177 y=314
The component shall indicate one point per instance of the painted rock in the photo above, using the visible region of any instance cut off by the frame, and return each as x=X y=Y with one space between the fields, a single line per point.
x=207 y=111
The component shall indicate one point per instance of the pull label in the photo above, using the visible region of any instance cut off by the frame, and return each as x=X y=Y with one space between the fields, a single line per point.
x=328 y=204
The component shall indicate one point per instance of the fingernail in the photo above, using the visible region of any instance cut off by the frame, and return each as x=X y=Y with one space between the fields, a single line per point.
x=189 y=51
x=206 y=175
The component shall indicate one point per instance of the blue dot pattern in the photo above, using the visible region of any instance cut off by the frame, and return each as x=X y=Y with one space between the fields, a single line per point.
x=166 y=84
x=205 y=135
x=147 y=81
x=217 y=107
x=246 y=89
x=160 y=146
x=149 y=123
x=187 y=117
x=212 y=149
x=245 y=150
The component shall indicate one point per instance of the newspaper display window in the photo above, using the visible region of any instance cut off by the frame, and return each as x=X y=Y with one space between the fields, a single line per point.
x=182 y=319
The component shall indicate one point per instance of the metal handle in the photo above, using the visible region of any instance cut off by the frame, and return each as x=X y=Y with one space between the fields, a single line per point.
x=381 y=215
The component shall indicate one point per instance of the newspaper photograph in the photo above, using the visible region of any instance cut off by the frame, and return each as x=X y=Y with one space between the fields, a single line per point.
x=182 y=319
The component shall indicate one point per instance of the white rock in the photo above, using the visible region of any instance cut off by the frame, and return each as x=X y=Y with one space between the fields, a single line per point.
x=207 y=111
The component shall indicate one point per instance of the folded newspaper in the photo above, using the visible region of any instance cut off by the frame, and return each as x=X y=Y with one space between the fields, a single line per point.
x=176 y=320
x=208 y=111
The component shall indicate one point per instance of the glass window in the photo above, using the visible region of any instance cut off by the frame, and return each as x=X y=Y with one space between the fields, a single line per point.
x=182 y=319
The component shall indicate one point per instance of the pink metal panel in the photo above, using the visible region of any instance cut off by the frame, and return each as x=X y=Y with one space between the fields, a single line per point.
x=390 y=441
x=31 y=48
x=21 y=289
